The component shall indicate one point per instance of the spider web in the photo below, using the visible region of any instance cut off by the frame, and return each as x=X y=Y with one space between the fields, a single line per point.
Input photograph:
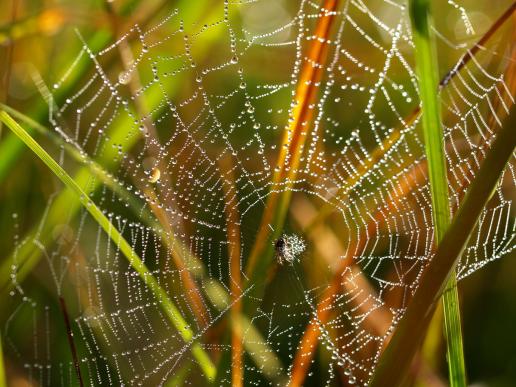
x=190 y=96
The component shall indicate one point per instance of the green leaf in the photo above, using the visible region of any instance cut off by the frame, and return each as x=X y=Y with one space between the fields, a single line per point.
x=427 y=71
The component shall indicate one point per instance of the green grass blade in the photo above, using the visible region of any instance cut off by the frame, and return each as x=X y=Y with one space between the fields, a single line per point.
x=427 y=71
x=396 y=359
x=169 y=308
x=3 y=380
x=217 y=294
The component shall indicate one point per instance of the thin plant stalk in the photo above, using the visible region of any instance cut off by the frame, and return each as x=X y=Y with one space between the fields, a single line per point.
x=234 y=252
x=427 y=71
x=169 y=308
x=292 y=145
x=3 y=380
x=71 y=341
x=396 y=359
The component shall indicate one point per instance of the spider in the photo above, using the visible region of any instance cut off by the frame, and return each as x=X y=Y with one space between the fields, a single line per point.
x=288 y=248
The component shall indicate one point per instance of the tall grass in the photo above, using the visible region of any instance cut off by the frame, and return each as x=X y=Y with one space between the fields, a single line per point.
x=428 y=79
x=275 y=213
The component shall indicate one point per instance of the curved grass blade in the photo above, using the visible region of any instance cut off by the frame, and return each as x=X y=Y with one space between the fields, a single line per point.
x=234 y=250
x=217 y=294
x=169 y=308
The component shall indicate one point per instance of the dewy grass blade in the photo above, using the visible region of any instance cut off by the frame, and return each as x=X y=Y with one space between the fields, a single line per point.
x=427 y=71
x=397 y=357
x=169 y=308
x=218 y=295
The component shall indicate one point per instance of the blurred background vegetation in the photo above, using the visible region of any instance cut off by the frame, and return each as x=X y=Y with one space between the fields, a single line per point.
x=38 y=37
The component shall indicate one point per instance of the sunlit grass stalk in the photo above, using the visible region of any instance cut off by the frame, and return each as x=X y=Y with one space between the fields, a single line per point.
x=396 y=359
x=217 y=294
x=3 y=380
x=427 y=71
x=169 y=308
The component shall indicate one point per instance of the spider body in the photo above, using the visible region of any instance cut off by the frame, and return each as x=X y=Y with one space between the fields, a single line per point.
x=280 y=249
x=287 y=248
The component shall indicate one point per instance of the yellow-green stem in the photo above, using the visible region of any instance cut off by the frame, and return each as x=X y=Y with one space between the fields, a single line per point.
x=3 y=381
x=169 y=308
x=427 y=71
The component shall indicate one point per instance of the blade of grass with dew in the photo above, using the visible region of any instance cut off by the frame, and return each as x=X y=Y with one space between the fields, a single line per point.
x=427 y=71
x=134 y=260
x=216 y=293
x=396 y=359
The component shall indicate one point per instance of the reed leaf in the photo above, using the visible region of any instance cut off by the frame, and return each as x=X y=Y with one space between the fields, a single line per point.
x=396 y=359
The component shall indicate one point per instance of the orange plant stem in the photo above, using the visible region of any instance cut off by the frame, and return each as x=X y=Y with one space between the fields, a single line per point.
x=234 y=249
x=294 y=137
